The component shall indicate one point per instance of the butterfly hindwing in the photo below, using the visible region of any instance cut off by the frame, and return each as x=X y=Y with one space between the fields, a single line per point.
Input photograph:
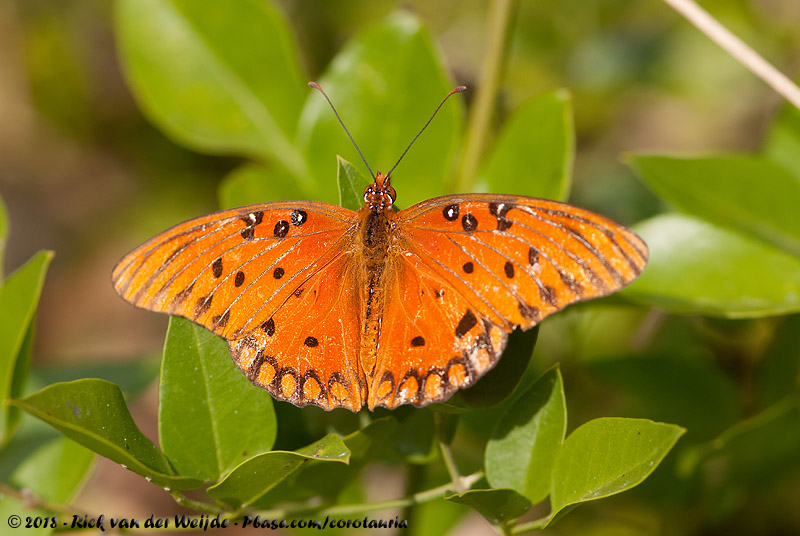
x=307 y=351
x=231 y=270
x=432 y=342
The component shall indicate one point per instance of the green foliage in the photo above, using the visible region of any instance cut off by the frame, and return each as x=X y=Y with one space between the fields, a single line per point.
x=226 y=79
x=229 y=417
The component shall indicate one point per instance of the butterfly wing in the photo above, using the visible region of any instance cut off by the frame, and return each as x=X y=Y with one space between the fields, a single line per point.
x=307 y=351
x=230 y=271
x=502 y=261
x=273 y=280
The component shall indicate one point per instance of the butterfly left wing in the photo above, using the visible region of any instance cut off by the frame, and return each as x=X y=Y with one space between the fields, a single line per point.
x=511 y=261
x=231 y=270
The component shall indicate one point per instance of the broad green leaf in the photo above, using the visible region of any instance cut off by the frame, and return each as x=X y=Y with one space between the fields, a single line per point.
x=3 y=235
x=689 y=391
x=93 y=413
x=385 y=84
x=210 y=418
x=608 y=456
x=779 y=369
x=501 y=381
x=221 y=77
x=19 y=296
x=351 y=185
x=744 y=193
x=534 y=153
x=496 y=505
x=253 y=478
x=696 y=267
x=55 y=473
x=524 y=444
x=782 y=144
x=758 y=450
x=252 y=183
x=435 y=518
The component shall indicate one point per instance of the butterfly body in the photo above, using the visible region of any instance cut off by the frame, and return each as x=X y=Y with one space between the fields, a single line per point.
x=326 y=306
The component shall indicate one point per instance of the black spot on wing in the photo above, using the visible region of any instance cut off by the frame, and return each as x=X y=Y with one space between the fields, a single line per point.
x=466 y=323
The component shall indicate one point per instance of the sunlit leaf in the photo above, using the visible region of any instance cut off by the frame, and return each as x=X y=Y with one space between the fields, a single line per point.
x=524 y=444
x=351 y=185
x=740 y=192
x=533 y=154
x=19 y=296
x=202 y=390
x=253 y=478
x=385 y=83
x=218 y=77
x=608 y=456
x=696 y=267
x=93 y=413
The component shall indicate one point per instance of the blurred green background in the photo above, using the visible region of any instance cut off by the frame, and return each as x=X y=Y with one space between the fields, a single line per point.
x=83 y=173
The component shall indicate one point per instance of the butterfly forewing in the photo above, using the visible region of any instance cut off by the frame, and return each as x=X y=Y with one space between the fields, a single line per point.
x=516 y=259
x=231 y=270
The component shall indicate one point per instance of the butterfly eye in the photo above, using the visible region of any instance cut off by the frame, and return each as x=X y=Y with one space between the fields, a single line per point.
x=392 y=193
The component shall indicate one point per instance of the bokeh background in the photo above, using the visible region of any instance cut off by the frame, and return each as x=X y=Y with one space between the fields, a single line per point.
x=84 y=174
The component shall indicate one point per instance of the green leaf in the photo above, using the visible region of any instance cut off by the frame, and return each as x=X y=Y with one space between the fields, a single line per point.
x=744 y=193
x=608 y=456
x=385 y=84
x=351 y=185
x=706 y=403
x=501 y=381
x=19 y=296
x=496 y=505
x=218 y=77
x=759 y=450
x=696 y=267
x=210 y=418
x=253 y=478
x=93 y=413
x=782 y=144
x=534 y=153
x=55 y=473
x=524 y=444
x=252 y=183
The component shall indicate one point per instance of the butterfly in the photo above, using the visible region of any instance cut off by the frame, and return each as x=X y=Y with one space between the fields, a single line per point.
x=327 y=306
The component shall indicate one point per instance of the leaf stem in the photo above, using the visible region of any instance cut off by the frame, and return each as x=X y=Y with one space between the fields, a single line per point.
x=738 y=49
x=481 y=116
x=530 y=526
x=351 y=509
x=30 y=499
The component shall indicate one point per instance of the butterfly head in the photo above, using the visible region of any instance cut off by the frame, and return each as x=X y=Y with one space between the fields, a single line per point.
x=379 y=196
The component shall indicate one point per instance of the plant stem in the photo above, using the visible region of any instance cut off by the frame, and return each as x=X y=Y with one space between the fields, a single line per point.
x=195 y=505
x=352 y=509
x=481 y=116
x=530 y=526
x=30 y=499
x=737 y=49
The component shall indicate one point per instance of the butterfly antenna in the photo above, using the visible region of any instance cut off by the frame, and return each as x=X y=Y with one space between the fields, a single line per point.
x=318 y=88
x=458 y=89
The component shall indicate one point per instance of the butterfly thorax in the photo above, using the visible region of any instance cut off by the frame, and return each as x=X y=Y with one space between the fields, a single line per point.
x=375 y=225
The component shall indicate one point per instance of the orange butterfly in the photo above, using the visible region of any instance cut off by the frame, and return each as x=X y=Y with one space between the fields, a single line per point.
x=322 y=305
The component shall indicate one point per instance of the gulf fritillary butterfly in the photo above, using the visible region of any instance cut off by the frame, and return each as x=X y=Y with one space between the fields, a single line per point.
x=326 y=306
